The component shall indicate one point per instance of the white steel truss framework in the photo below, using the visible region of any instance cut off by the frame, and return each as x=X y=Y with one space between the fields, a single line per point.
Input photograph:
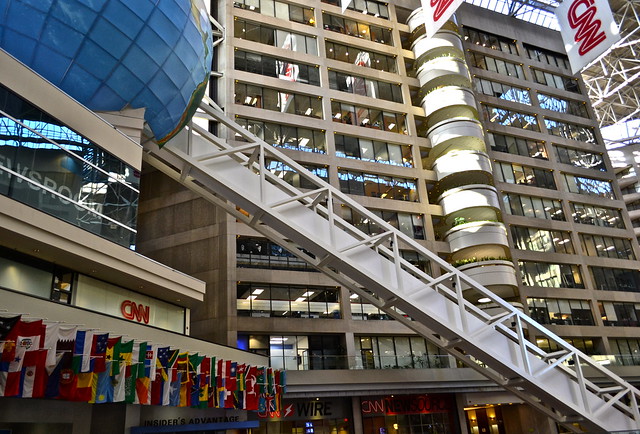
x=612 y=79
x=308 y=224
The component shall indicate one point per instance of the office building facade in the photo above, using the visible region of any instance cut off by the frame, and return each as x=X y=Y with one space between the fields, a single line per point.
x=478 y=144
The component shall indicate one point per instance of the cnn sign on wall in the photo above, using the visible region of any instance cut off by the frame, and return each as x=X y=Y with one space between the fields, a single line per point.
x=588 y=30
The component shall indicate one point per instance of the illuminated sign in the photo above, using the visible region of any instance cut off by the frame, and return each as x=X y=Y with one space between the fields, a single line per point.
x=407 y=404
x=131 y=310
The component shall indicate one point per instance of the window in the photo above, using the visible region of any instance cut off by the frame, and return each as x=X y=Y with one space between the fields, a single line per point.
x=627 y=351
x=607 y=247
x=589 y=186
x=412 y=225
x=562 y=105
x=516 y=145
x=374 y=185
x=555 y=80
x=570 y=131
x=502 y=91
x=548 y=275
x=616 y=279
x=586 y=345
x=386 y=352
x=276 y=100
x=364 y=86
x=620 y=314
x=360 y=57
x=294 y=177
x=356 y=29
x=541 y=240
x=85 y=185
x=274 y=67
x=579 y=158
x=597 y=215
x=289 y=301
x=368 y=117
x=546 y=56
x=293 y=352
x=273 y=8
x=524 y=175
x=496 y=65
x=489 y=40
x=369 y=7
x=373 y=150
x=300 y=139
x=262 y=253
x=268 y=35
x=531 y=206
x=560 y=311
x=510 y=118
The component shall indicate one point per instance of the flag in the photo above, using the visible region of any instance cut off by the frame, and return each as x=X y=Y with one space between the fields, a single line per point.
x=283 y=381
x=7 y=325
x=182 y=366
x=33 y=381
x=112 y=354
x=195 y=365
x=84 y=387
x=55 y=335
x=104 y=385
x=252 y=389
x=99 y=352
x=23 y=338
x=174 y=390
x=240 y=392
x=221 y=376
x=145 y=376
x=437 y=12
x=123 y=369
x=344 y=4
x=135 y=371
x=160 y=375
x=59 y=381
x=588 y=30
x=271 y=382
x=82 y=351
x=134 y=362
x=204 y=382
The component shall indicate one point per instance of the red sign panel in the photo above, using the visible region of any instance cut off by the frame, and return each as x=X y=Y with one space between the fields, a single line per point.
x=407 y=404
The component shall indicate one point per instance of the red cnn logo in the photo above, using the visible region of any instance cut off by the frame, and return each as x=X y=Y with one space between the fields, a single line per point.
x=441 y=7
x=131 y=310
x=588 y=27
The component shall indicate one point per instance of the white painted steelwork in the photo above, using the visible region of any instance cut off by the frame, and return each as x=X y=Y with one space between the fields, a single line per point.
x=236 y=179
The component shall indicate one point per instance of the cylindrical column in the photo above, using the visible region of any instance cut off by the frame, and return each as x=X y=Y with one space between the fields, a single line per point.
x=464 y=186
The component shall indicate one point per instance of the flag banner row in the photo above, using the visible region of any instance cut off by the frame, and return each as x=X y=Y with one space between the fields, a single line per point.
x=55 y=361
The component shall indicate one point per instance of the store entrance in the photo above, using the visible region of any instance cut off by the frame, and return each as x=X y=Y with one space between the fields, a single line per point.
x=485 y=420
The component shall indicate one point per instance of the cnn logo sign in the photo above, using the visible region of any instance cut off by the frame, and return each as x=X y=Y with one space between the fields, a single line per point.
x=133 y=311
x=588 y=30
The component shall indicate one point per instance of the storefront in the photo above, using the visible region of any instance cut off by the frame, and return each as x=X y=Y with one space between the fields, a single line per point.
x=308 y=416
x=424 y=413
